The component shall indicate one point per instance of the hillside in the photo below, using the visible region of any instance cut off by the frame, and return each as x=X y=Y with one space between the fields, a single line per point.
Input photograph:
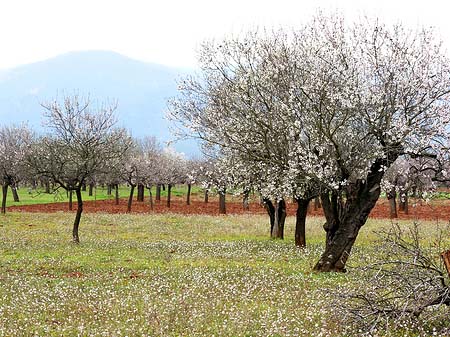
x=140 y=88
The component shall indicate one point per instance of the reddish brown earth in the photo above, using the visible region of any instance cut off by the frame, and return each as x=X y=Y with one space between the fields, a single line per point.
x=439 y=209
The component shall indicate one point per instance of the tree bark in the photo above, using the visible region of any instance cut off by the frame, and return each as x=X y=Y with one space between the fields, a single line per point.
x=83 y=187
x=91 y=189
x=188 y=197
x=47 y=187
x=4 y=193
x=140 y=194
x=245 y=202
x=71 y=200
x=158 y=192
x=150 y=197
x=108 y=189
x=391 y=196
x=345 y=216
x=117 y=194
x=76 y=224
x=279 y=220
x=222 y=204
x=169 y=192
x=403 y=202
x=130 y=199
x=268 y=205
x=300 y=222
x=206 y=196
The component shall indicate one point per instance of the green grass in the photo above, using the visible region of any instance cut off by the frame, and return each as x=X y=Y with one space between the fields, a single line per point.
x=28 y=196
x=166 y=275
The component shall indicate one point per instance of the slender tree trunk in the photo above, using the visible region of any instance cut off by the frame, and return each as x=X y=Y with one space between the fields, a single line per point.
x=300 y=222
x=140 y=194
x=222 y=205
x=206 y=196
x=83 y=187
x=188 y=197
x=150 y=197
x=70 y=200
x=91 y=189
x=158 y=193
x=4 y=193
x=345 y=217
x=279 y=220
x=169 y=192
x=76 y=224
x=108 y=189
x=268 y=205
x=391 y=196
x=163 y=187
x=47 y=187
x=14 y=192
x=245 y=202
x=403 y=202
x=117 y=194
x=130 y=199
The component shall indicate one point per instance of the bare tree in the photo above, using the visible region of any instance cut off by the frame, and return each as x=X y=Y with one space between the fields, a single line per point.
x=82 y=142
x=409 y=285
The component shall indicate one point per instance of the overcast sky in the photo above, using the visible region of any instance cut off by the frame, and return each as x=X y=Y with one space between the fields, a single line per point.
x=170 y=31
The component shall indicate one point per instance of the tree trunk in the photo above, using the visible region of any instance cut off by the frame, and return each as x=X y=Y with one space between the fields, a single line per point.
x=83 y=187
x=140 y=194
x=300 y=222
x=108 y=189
x=268 y=205
x=14 y=192
x=345 y=217
x=47 y=187
x=206 y=196
x=117 y=194
x=279 y=220
x=245 y=202
x=150 y=197
x=4 y=193
x=391 y=196
x=76 y=224
x=169 y=192
x=403 y=202
x=188 y=197
x=91 y=189
x=70 y=200
x=158 y=192
x=222 y=205
x=130 y=199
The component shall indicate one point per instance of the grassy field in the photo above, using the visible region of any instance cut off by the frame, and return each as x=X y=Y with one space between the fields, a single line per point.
x=168 y=275
x=28 y=196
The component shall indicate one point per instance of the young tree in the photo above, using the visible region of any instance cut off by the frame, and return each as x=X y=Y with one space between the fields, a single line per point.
x=82 y=142
x=14 y=145
x=330 y=106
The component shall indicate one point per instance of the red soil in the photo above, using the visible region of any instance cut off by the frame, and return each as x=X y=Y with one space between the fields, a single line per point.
x=436 y=210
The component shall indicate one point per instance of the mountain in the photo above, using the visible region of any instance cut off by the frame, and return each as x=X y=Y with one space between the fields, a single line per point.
x=141 y=90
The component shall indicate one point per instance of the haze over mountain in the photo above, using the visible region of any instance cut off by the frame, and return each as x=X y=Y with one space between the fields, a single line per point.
x=141 y=90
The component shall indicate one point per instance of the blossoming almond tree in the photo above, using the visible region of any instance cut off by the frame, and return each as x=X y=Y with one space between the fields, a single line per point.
x=82 y=142
x=326 y=108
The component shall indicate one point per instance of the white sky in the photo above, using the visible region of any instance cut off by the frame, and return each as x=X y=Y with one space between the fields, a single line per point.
x=170 y=31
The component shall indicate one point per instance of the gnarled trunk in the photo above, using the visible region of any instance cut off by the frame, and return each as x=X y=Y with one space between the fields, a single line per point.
x=344 y=218
x=4 y=193
x=76 y=224
x=391 y=195
x=245 y=201
x=188 y=197
x=169 y=193
x=140 y=193
x=130 y=198
x=222 y=205
x=158 y=192
x=300 y=222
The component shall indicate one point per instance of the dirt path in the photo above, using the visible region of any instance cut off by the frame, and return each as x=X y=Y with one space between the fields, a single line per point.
x=436 y=210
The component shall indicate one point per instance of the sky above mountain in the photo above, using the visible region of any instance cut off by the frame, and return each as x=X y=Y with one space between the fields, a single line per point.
x=140 y=89
x=171 y=31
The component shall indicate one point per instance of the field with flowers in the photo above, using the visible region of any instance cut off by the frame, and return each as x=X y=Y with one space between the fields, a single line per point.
x=169 y=275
